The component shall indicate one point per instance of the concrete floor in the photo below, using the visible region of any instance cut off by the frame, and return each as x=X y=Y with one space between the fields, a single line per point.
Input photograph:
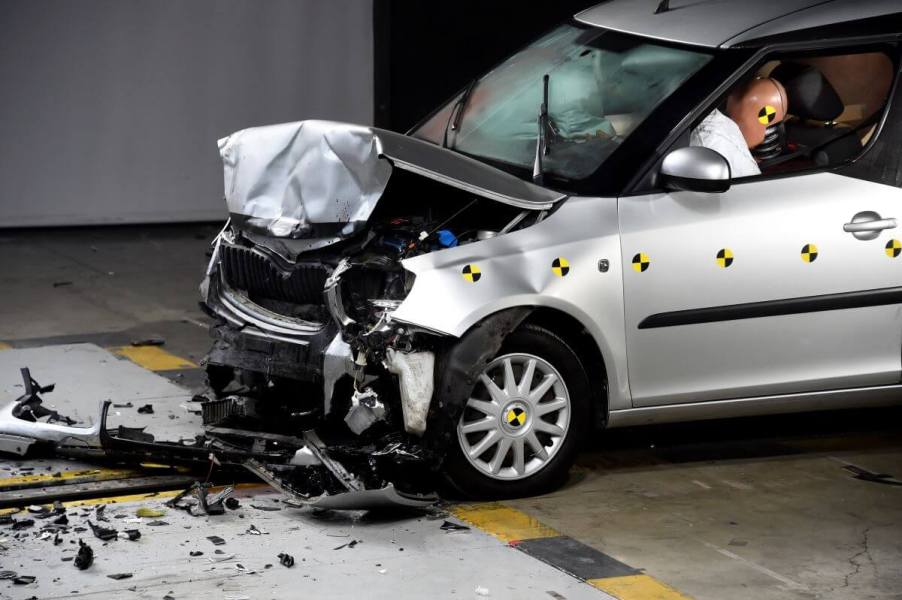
x=755 y=508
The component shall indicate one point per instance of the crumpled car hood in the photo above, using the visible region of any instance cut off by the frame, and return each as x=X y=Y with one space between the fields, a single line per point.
x=322 y=179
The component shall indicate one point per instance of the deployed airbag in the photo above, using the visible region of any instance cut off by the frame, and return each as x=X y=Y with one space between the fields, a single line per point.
x=304 y=179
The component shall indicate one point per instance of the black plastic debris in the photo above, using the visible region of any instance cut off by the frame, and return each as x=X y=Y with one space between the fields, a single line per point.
x=57 y=284
x=126 y=405
x=253 y=530
x=157 y=523
x=232 y=503
x=197 y=496
x=118 y=576
x=195 y=553
x=449 y=526
x=61 y=520
x=350 y=544
x=217 y=541
x=24 y=579
x=57 y=540
x=147 y=409
x=103 y=533
x=6 y=520
x=151 y=341
x=865 y=475
x=100 y=513
x=8 y=575
x=286 y=560
x=263 y=507
x=85 y=556
x=130 y=535
x=22 y=524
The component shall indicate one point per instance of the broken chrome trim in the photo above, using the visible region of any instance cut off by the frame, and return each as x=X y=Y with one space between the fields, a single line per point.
x=254 y=314
x=17 y=435
x=332 y=294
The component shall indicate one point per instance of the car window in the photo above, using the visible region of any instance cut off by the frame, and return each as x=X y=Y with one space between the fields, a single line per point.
x=602 y=85
x=797 y=113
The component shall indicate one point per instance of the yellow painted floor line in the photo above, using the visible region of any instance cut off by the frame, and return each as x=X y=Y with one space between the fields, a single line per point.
x=4 y=346
x=153 y=358
x=637 y=587
x=66 y=477
x=164 y=495
x=505 y=523
x=86 y=475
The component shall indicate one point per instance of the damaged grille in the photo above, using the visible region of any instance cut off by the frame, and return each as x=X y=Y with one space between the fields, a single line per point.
x=249 y=270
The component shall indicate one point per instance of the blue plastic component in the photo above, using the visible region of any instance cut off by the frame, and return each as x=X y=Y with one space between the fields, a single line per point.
x=446 y=239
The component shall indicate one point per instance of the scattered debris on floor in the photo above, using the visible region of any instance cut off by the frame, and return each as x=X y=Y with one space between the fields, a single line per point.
x=147 y=409
x=449 y=526
x=350 y=544
x=118 y=576
x=481 y=591
x=85 y=556
x=103 y=533
x=286 y=560
x=148 y=512
x=217 y=541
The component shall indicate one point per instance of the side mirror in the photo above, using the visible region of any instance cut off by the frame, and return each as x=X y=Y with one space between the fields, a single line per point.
x=695 y=169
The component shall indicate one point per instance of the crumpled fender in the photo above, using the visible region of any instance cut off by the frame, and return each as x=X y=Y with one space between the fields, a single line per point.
x=553 y=264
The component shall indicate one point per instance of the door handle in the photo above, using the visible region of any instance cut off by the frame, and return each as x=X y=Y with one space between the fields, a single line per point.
x=867 y=225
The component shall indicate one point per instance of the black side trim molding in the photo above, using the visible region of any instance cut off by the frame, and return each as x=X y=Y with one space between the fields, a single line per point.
x=773 y=308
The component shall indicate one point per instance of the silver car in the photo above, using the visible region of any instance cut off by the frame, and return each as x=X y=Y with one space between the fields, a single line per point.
x=653 y=213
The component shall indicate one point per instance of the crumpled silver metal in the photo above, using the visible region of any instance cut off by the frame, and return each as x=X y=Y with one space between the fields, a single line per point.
x=286 y=179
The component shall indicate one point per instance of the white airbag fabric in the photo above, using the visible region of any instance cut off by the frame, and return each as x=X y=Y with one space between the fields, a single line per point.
x=288 y=178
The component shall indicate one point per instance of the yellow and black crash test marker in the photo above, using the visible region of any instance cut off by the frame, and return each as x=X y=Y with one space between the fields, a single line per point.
x=641 y=262
x=893 y=248
x=560 y=267
x=724 y=258
x=471 y=273
x=767 y=114
x=516 y=417
x=809 y=253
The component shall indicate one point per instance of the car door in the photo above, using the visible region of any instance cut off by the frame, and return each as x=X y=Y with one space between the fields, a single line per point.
x=760 y=290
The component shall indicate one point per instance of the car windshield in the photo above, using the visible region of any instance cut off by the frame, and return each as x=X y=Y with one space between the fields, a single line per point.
x=602 y=85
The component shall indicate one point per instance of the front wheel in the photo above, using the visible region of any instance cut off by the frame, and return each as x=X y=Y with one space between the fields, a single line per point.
x=522 y=424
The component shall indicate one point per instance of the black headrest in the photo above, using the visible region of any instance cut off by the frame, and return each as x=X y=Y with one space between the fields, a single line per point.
x=810 y=94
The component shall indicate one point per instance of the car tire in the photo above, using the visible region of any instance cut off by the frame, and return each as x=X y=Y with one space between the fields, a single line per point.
x=516 y=417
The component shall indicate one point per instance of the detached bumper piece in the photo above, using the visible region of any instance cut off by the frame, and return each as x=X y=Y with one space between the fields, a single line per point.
x=21 y=424
x=353 y=475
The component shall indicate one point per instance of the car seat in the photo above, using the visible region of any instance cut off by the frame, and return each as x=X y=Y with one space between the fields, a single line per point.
x=816 y=105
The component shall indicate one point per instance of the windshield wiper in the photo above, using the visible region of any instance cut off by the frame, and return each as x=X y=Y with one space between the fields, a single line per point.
x=538 y=168
x=457 y=111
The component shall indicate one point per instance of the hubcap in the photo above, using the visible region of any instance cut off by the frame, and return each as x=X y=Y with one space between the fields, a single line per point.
x=516 y=418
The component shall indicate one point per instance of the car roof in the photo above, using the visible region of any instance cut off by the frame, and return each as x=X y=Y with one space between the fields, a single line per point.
x=728 y=23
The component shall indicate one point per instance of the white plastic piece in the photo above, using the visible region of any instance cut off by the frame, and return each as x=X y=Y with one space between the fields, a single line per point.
x=415 y=371
x=366 y=409
x=305 y=458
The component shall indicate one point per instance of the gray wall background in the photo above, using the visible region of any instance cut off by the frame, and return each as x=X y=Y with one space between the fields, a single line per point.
x=110 y=109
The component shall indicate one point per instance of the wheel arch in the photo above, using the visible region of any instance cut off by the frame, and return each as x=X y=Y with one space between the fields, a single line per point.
x=572 y=331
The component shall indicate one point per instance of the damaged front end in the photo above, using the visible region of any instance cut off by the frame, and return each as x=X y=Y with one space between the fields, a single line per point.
x=303 y=284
